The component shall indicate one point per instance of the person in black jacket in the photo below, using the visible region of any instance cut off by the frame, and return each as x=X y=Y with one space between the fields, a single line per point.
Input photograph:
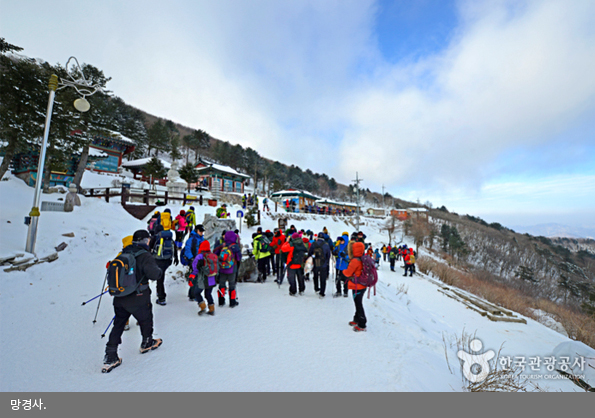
x=321 y=252
x=137 y=304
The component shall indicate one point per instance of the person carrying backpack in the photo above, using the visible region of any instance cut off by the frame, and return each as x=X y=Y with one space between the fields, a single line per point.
x=321 y=254
x=229 y=256
x=342 y=263
x=353 y=271
x=261 y=250
x=276 y=243
x=180 y=228
x=409 y=262
x=296 y=255
x=136 y=303
x=244 y=202
x=377 y=257
x=153 y=223
x=205 y=268
x=392 y=257
x=162 y=248
x=190 y=220
x=384 y=252
x=190 y=251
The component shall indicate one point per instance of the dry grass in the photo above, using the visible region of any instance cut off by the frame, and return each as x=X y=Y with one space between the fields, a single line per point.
x=578 y=325
x=403 y=288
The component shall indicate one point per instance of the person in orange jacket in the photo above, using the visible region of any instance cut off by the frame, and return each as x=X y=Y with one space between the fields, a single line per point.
x=354 y=269
x=296 y=255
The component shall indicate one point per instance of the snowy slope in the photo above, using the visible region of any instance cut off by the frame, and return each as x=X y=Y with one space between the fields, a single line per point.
x=271 y=342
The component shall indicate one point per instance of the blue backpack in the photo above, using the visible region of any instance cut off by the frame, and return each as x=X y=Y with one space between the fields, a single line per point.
x=164 y=245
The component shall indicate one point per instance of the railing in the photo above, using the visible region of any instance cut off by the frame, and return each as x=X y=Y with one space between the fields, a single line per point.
x=147 y=197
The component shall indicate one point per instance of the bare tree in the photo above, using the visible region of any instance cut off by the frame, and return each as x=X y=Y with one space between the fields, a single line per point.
x=390 y=226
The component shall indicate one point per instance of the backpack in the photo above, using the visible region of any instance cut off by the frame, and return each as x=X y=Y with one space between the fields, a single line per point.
x=299 y=253
x=121 y=275
x=189 y=252
x=411 y=259
x=226 y=259
x=265 y=244
x=153 y=223
x=211 y=267
x=318 y=256
x=369 y=275
x=164 y=246
x=166 y=220
x=392 y=255
x=189 y=216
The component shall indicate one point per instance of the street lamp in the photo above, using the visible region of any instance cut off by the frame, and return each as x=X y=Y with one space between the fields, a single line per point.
x=84 y=88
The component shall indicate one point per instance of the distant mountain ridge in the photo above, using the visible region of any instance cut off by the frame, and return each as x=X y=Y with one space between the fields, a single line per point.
x=551 y=230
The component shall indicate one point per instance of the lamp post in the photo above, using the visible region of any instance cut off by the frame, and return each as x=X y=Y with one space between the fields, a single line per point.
x=84 y=88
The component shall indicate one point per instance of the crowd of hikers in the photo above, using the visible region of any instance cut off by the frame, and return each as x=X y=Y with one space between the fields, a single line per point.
x=298 y=255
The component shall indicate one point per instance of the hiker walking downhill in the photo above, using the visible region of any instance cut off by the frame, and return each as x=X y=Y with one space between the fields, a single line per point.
x=137 y=303
x=190 y=252
x=204 y=277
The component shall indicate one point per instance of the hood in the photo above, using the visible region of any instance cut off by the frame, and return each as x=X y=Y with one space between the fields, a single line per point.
x=204 y=247
x=230 y=237
x=126 y=241
x=358 y=249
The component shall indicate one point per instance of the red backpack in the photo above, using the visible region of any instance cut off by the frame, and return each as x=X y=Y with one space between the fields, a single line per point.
x=369 y=276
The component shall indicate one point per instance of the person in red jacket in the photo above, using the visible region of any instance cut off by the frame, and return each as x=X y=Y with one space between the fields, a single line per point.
x=296 y=255
x=354 y=269
x=276 y=243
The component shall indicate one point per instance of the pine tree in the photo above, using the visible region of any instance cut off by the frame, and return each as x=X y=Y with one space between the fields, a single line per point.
x=188 y=173
x=155 y=169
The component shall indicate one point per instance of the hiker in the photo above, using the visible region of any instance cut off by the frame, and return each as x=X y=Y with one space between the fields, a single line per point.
x=180 y=228
x=190 y=220
x=342 y=263
x=222 y=212
x=137 y=304
x=384 y=252
x=355 y=269
x=261 y=251
x=244 y=201
x=296 y=254
x=229 y=256
x=409 y=262
x=270 y=263
x=204 y=277
x=392 y=257
x=321 y=254
x=265 y=204
x=153 y=223
x=276 y=243
x=377 y=257
x=162 y=247
x=190 y=252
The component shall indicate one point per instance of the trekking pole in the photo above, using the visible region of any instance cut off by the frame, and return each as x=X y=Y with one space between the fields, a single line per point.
x=84 y=303
x=99 y=303
x=110 y=324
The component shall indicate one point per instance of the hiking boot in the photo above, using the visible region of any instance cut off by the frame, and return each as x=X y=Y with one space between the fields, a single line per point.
x=301 y=293
x=345 y=295
x=320 y=296
x=292 y=294
x=203 y=308
x=359 y=329
x=233 y=303
x=337 y=295
x=150 y=344
x=110 y=362
x=352 y=323
x=211 y=310
x=160 y=302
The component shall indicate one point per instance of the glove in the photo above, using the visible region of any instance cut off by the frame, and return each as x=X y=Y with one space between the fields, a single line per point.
x=192 y=276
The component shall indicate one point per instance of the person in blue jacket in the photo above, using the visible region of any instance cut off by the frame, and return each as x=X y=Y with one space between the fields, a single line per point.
x=340 y=252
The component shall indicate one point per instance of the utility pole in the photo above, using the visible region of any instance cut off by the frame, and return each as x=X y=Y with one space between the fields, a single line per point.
x=357 y=180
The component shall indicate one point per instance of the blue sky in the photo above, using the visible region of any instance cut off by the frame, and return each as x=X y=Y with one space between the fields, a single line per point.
x=484 y=106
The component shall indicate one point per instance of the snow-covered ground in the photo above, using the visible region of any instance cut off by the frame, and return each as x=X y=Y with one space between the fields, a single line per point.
x=271 y=342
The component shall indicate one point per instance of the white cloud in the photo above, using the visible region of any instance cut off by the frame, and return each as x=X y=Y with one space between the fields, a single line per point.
x=510 y=77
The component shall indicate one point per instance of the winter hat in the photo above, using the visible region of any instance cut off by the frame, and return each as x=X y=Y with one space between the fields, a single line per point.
x=182 y=212
x=295 y=235
x=140 y=235
x=168 y=211
x=322 y=235
x=259 y=229
x=191 y=207
x=204 y=246
x=200 y=228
